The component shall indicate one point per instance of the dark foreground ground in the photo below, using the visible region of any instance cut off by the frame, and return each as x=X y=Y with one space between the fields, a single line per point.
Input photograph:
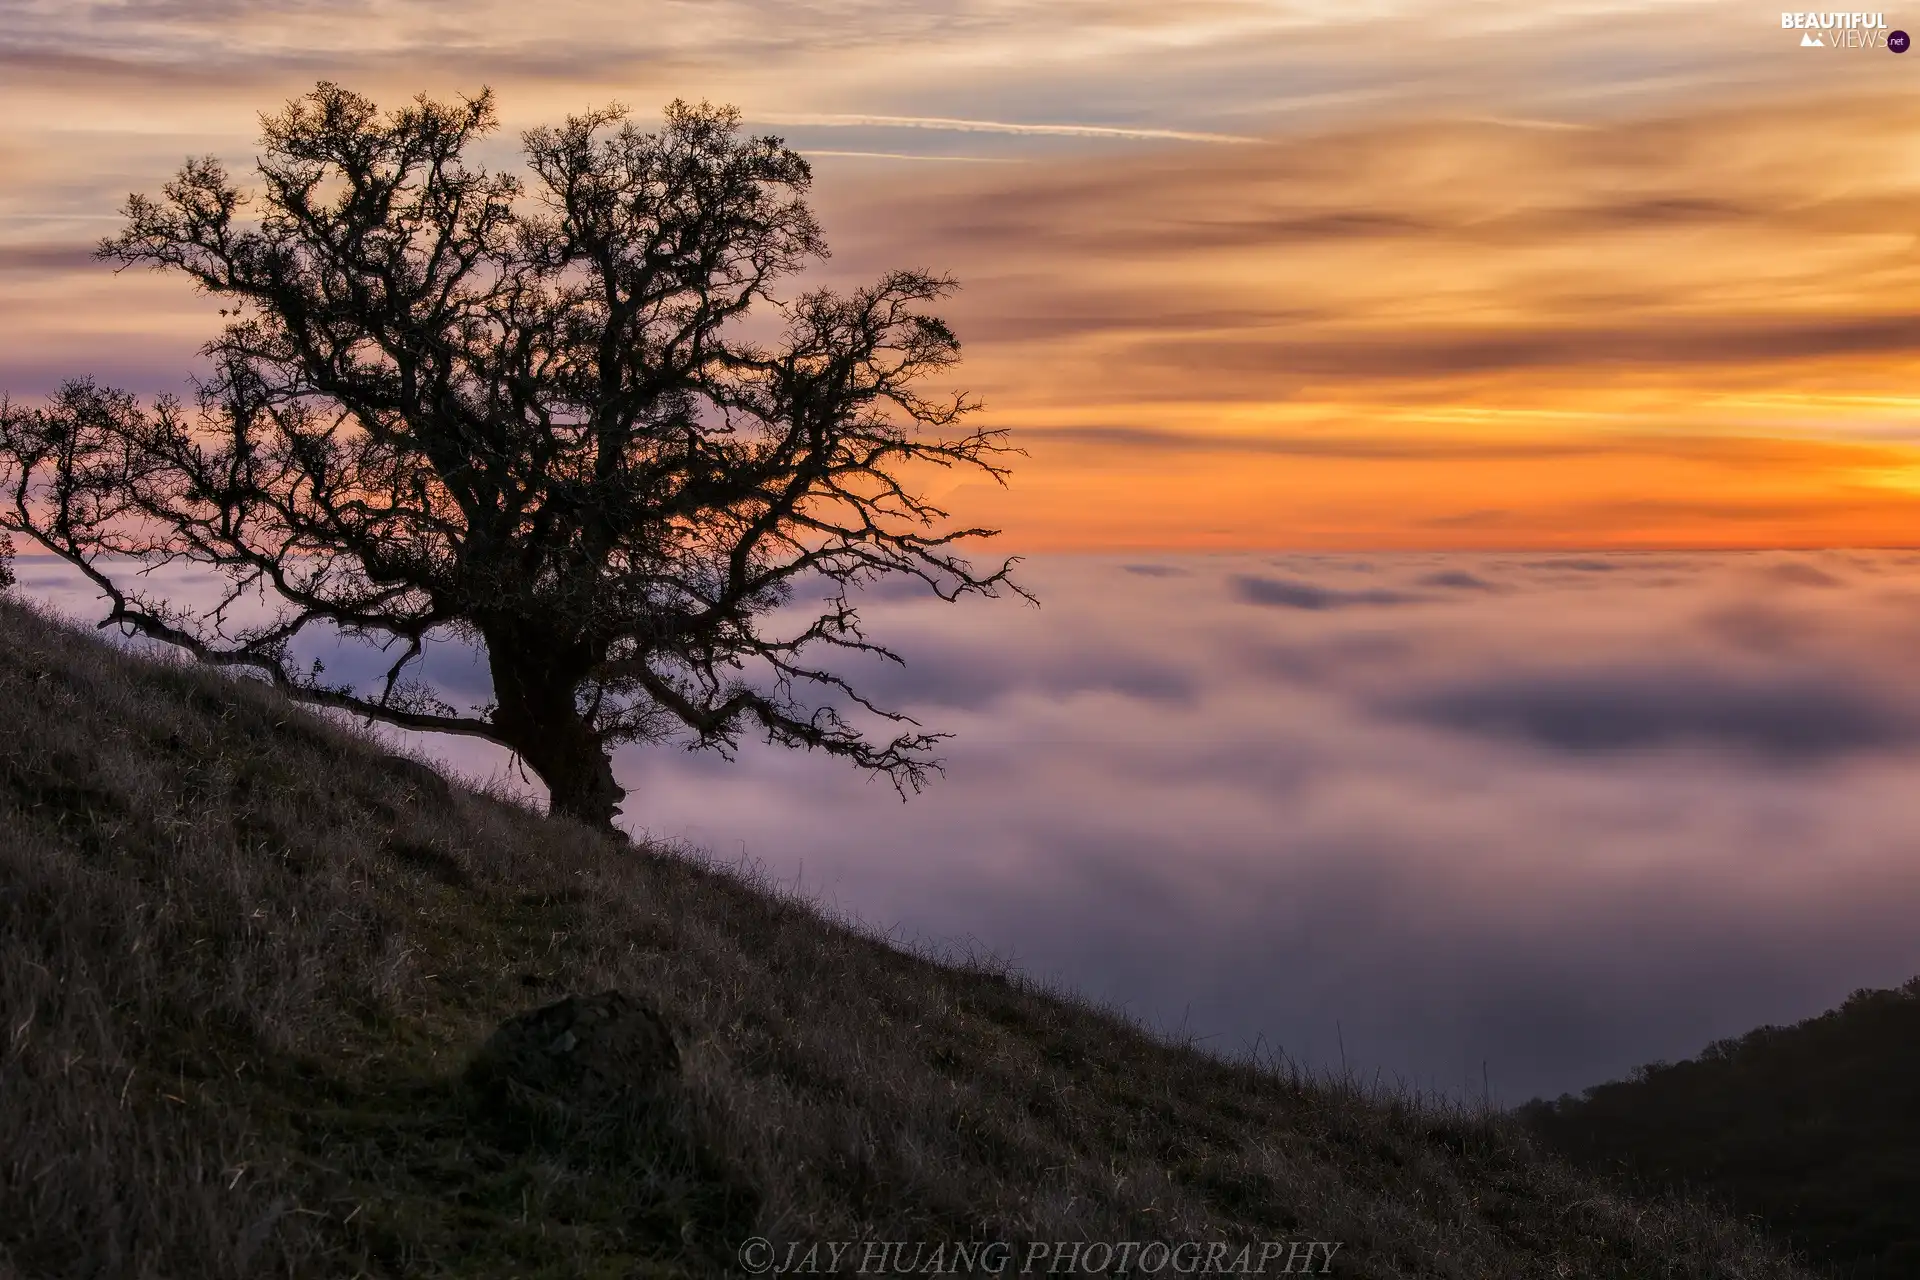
x=244 y=957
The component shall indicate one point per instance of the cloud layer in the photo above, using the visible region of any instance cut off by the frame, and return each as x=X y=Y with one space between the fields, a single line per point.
x=1562 y=815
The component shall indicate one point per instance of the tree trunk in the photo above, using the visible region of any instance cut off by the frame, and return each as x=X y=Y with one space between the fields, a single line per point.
x=536 y=717
x=579 y=777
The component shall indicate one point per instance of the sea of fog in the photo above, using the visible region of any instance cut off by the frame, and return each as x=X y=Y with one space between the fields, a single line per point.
x=1526 y=820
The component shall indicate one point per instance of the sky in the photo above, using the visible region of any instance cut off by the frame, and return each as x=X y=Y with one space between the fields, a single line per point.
x=1237 y=274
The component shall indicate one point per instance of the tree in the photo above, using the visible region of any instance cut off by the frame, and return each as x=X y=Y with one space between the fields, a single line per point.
x=523 y=413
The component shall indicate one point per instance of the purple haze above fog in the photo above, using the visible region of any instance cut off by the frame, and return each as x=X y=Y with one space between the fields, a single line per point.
x=1563 y=815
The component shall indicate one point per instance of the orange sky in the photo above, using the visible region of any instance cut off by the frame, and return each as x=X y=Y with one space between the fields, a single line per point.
x=1240 y=273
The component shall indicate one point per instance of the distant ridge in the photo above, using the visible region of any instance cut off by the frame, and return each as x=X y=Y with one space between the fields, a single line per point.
x=1814 y=1128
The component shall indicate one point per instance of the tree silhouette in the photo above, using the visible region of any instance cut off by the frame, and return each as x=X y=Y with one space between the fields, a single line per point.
x=522 y=412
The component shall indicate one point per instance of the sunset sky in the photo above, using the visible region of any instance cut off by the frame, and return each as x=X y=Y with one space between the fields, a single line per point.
x=1237 y=273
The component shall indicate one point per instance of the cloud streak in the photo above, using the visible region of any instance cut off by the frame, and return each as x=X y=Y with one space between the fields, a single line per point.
x=1801 y=718
x=1282 y=593
x=949 y=124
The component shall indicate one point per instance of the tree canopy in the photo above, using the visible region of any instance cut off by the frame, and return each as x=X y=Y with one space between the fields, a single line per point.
x=524 y=411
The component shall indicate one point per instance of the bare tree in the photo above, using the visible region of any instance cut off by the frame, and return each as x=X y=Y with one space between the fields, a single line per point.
x=451 y=401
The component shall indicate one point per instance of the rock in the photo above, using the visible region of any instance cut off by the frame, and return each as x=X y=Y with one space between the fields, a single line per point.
x=585 y=1052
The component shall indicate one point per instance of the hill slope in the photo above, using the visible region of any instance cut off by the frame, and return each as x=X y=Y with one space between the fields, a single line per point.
x=243 y=957
x=1814 y=1128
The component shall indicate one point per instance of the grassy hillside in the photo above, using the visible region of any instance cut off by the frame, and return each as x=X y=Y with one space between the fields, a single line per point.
x=243 y=957
x=1815 y=1128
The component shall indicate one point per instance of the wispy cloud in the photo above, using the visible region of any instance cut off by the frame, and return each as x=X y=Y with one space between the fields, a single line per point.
x=905 y=155
x=832 y=120
x=1513 y=122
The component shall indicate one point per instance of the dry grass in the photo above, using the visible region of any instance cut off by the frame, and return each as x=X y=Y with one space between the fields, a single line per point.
x=243 y=957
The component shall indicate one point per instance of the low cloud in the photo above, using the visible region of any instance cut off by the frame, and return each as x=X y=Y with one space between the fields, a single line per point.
x=1791 y=716
x=1458 y=580
x=1293 y=594
x=1578 y=565
x=1799 y=574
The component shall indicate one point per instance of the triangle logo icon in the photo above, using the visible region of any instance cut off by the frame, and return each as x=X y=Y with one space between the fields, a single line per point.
x=1812 y=41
